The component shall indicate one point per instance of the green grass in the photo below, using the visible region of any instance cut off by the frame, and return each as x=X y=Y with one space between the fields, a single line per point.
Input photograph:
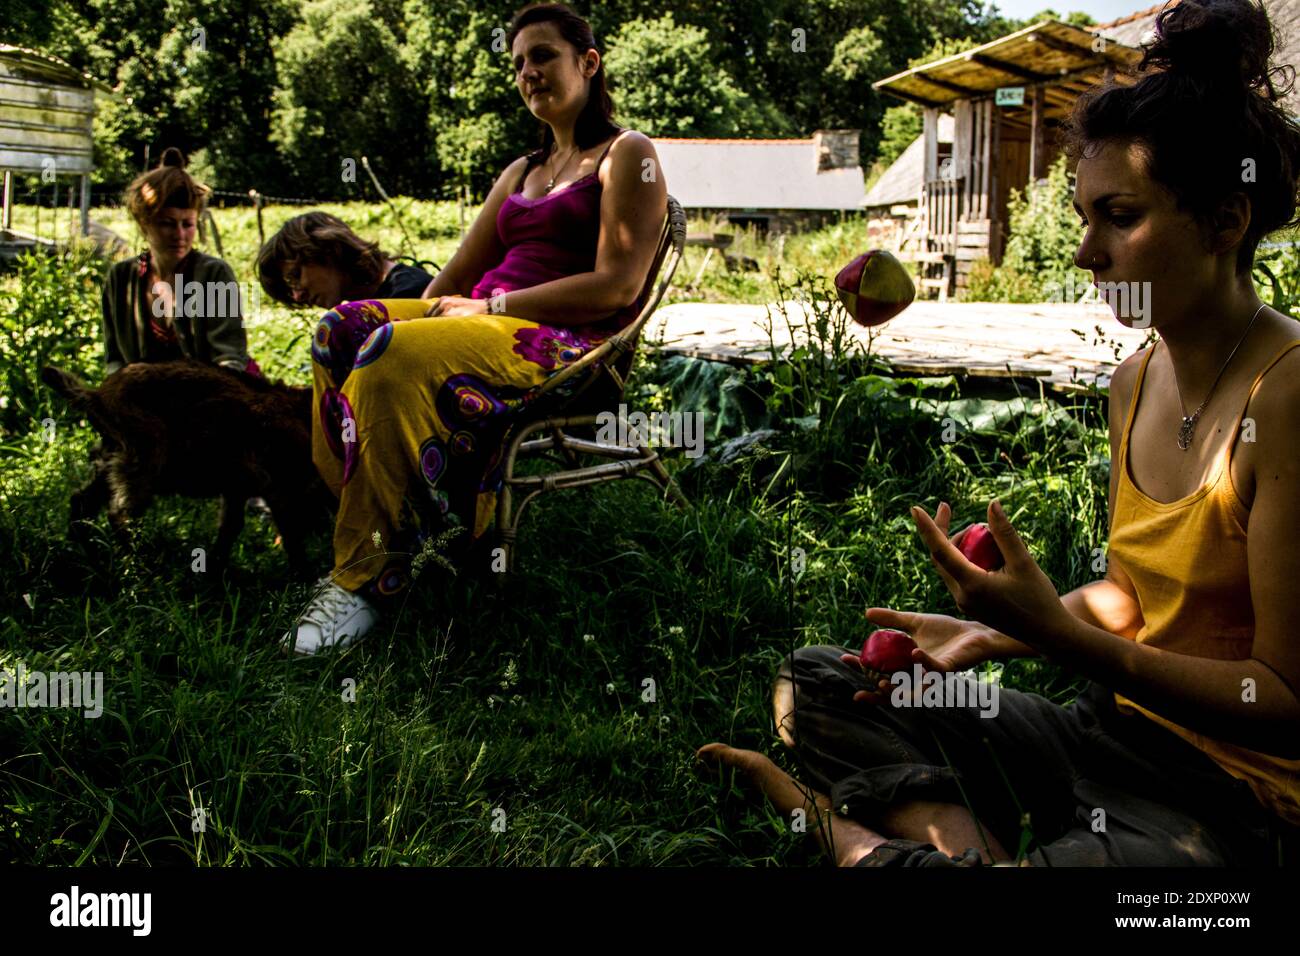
x=469 y=702
x=434 y=231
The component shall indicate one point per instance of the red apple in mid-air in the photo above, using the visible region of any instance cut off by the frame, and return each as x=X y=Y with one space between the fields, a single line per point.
x=887 y=651
x=977 y=545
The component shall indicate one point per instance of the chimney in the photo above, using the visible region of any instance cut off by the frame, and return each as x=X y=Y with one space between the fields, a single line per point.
x=836 y=149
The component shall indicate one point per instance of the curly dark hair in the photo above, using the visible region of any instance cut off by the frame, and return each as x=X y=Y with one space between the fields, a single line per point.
x=1205 y=117
x=321 y=239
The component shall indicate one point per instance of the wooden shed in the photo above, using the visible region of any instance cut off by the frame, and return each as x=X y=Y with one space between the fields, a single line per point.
x=47 y=109
x=1005 y=98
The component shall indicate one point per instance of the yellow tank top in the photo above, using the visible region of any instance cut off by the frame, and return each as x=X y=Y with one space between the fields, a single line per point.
x=1187 y=561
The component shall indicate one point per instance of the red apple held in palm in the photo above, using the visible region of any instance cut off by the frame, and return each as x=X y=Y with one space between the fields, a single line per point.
x=977 y=545
x=887 y=651
x=875 y=287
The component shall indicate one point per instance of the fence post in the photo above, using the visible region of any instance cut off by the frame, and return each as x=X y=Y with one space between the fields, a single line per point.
x=85 y=204
x=257 y=205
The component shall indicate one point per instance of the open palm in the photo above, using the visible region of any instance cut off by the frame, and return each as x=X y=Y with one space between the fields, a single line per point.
x=943 y=643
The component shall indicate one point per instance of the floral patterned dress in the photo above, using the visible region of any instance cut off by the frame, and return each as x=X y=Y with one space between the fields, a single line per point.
x=411 y=414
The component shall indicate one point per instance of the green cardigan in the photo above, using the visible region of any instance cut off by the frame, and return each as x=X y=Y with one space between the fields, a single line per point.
x=209 y=324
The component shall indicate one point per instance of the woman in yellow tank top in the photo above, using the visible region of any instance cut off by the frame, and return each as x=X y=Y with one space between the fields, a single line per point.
x=1187 y=741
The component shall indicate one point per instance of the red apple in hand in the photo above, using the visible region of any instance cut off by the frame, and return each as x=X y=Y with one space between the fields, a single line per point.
x=977 y=545
x=887 y=651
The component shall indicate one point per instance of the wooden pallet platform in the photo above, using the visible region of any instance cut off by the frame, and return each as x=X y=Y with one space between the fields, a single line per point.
x=1067 y=346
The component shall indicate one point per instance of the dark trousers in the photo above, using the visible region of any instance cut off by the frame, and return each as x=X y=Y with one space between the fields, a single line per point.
x=1088 y=786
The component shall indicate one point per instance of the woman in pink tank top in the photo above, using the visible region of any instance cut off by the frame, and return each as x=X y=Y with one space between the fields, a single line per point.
x=414 y=396
x=1184 y=748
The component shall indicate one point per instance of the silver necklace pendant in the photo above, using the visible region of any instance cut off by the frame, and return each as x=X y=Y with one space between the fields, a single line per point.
x=1185 y=432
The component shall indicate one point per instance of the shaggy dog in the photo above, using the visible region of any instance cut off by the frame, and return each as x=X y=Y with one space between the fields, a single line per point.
x=198 y=430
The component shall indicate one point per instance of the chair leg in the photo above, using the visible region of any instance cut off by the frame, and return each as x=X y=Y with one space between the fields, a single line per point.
x=665 y=481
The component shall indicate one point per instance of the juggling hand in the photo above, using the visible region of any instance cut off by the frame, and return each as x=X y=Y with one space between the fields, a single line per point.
x=1019 y=600
x=943 y=644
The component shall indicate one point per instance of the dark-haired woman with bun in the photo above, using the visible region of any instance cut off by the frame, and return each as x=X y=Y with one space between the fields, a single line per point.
x=142 y=320
x=1183 y=749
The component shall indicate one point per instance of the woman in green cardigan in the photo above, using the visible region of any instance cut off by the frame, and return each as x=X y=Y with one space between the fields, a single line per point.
x=172 y=301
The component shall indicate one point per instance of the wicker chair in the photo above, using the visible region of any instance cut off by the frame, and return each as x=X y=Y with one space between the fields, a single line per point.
x=544 y=432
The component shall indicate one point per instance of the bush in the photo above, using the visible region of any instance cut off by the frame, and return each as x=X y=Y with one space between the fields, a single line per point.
x=1045 y=232
x=989 y=283
x=1277 y=272
x=52 y=319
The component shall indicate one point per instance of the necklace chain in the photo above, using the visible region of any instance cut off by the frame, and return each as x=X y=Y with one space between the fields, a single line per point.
x=551 y=184
x=1188 y=425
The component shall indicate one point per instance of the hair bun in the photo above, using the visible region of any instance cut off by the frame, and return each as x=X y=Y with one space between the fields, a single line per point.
x=1222 y=45
x=172 y=157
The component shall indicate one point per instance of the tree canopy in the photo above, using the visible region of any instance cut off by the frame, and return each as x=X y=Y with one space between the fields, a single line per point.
x=278 y=94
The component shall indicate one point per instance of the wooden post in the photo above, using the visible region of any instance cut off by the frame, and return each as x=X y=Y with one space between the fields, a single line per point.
x=1036 y=136
x=995 y=227
x=986 y=151
x=85 y=204
x=257 y=205
x=6 y=220
x=930 y=129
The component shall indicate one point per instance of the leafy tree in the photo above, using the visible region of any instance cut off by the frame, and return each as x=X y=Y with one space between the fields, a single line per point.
x=901 y=125
x=456 y=56
x=666 y=81
x=342 y=95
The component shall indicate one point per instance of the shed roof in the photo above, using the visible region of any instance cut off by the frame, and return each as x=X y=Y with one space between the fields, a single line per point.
x=755 y=174
x=1058 y=55
x=50 y=68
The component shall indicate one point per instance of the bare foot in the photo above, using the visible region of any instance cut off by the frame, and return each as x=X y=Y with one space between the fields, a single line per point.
x=843 y=839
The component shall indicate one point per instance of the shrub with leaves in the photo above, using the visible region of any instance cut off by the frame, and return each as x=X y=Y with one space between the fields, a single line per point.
x=50 y=316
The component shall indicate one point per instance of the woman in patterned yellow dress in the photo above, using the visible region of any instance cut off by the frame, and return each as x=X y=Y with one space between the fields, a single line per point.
x=413 y=396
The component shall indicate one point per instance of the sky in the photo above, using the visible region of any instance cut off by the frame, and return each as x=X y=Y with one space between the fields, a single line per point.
x=1100 y=10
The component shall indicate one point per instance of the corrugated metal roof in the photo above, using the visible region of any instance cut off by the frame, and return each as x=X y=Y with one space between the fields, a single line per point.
x=755 y=174
x=1057 y=55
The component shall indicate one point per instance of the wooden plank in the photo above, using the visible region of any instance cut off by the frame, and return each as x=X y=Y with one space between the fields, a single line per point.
x=985 y=210
x=1036 y=135
x=31 y=161
x=930 y=130
x=15 y=90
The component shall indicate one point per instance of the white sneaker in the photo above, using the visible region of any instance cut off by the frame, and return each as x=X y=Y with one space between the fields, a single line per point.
x=334 y=619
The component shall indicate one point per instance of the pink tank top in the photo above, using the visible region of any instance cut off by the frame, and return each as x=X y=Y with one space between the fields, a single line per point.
x=551 y=237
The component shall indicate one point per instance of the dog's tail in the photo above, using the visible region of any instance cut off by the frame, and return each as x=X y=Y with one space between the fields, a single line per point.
x=81 y=397
x=67 y=385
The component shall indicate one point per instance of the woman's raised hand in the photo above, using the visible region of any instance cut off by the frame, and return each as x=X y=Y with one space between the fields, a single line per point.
x=943 y=643
x=1018 y=599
